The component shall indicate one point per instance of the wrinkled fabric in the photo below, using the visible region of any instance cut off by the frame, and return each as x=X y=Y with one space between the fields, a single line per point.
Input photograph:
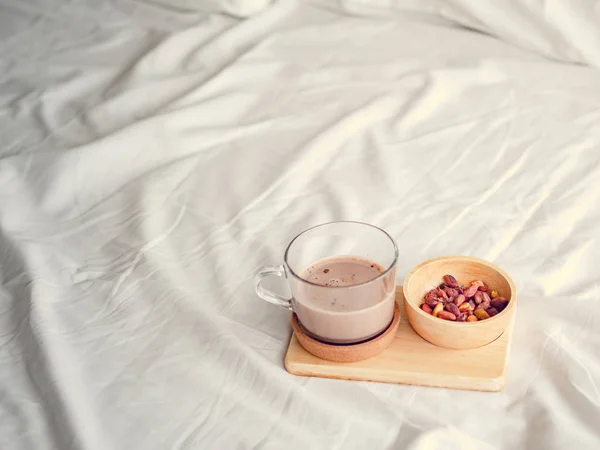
x=563 y=30
x=152 y=159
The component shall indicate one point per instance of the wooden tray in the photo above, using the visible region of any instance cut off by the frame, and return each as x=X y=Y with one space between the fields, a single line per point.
x=412 y=360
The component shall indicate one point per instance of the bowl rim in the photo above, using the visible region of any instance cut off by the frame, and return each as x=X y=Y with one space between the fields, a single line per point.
x=482 y=323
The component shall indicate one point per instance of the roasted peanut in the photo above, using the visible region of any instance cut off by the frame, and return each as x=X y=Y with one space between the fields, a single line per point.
x=499 y=303
x=431 y=293
x=450 y=281
x=481 y=314
x=453 y=309
x=425 y=307
x=459 y=300
x=446 y=315
x=472 y=319
x=439 y=307
x=432 y=301
x=486 y=297
x=462 y=317
x=478 y=297
x=465 y=307
x=480 y=285
x=451 y=292
x=429 y=299
x=470 y=291
x=484 y=305
x=492 y=311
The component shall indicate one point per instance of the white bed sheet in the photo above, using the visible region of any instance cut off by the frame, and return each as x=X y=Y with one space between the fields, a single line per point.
x=152 y=158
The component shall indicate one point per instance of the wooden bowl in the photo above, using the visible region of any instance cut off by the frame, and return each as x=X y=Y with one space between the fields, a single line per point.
x=457 y=335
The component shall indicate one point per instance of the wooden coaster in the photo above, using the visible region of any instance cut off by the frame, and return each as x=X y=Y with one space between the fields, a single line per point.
x=410 y=359
x=347 y=353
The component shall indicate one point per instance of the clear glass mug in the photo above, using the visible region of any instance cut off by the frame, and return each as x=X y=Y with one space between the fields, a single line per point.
x=362 y=310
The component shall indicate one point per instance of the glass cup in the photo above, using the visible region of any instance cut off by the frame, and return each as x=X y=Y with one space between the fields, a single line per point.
x=338 y=314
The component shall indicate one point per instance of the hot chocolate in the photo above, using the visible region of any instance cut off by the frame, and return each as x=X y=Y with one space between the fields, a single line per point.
x=346 y=300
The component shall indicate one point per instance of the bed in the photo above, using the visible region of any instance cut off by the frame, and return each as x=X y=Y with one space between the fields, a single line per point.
x=155 y=154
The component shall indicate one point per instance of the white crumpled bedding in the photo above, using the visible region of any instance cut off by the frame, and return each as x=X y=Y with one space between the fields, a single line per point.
x=154 y=155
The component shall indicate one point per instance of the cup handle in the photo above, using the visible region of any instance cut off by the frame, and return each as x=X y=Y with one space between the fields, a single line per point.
x=267 y=295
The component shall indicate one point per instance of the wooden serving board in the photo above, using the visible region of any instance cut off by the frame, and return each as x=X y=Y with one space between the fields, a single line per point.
x=412 y=360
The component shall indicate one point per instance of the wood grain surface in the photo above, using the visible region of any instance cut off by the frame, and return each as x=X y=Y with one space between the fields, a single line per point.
x=412 y=360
